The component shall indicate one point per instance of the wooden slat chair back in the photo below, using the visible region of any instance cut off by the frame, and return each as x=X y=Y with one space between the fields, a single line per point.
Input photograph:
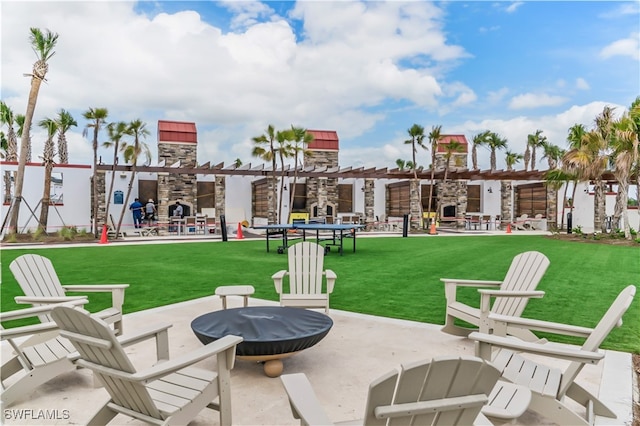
x=99 y=350
x=33 y=365
x=511 y=295
x=41 y=285
x=170 y=392
x=524 y=274
x=306 y=277
x=37 y=277
x=442 y=391
x=463 y=383
x=550 y=386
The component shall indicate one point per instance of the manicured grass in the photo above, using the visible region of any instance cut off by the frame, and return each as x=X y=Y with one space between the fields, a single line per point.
x=393 y=277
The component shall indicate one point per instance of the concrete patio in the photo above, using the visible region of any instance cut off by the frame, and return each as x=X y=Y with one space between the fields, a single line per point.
x=358 y=349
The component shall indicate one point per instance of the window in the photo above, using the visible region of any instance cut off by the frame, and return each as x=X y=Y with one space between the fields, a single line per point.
x=56 y=193
x=531 y=199
x=345 y=198
x=300 y=198
x=398 y=199
x=424 y=191
x=206 y=195
x=473 y=199
x=260 y=199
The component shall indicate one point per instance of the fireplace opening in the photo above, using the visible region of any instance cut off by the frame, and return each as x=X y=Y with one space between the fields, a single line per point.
x=449 y=211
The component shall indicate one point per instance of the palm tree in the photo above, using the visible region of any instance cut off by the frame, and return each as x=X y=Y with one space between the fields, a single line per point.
x=634 y=114
x=97 y=118
x=237 y=162
x=478 y=140
x=48 y=155
x=494 y=142
x=137 y=129
x=553 y=154
x=7 y=118
x=416 y=133
x=65 y=121
x=449 y=148
x=557 y=178
x=434 y=138
x=624 y=141
x=527 y=152
x=284 y=150
x=588 y=163
x=10 y=147
x=576 y=134
x=535 y=141
x=301 y=138
x=404 y=164
x=264 y=148
x=42 y=44
x=116 y=131
x=511 y=159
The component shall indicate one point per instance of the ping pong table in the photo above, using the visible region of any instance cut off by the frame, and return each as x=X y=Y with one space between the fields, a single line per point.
x=334 y=234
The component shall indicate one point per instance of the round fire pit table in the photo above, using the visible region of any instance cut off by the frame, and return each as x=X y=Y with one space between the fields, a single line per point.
x=270 y=333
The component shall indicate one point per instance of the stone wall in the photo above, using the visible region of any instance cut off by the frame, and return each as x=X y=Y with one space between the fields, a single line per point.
x=454 y=193
x=321 y=191
x=369 y=203
x=506 y=187
x=173 y=186
x=100 y=177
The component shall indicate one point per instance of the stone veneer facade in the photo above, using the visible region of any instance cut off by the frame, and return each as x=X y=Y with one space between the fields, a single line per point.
x=322 y=191
x=176 y=186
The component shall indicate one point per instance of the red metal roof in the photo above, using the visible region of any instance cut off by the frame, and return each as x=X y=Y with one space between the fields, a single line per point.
x=445 y=139
x=324 y=139
x=177 y=131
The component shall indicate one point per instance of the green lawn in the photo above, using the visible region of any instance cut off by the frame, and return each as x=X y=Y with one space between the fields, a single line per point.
x=393 y=277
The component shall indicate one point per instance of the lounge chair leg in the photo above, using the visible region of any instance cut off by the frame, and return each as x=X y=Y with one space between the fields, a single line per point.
x=555 y=410
x=102 y=417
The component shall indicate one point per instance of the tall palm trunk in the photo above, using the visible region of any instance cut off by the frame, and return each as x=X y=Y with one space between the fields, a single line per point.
x=280 y=154
x=46 y=192
x=599 y=204
x=113 y=176
x=36 y=81
x=134 y=168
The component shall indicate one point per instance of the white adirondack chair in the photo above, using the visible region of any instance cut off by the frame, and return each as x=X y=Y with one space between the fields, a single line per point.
x=443 y=391
x=511 y=296
x=34 y=365
x=550 y=386
x=40 y=283
x=306 y=263
x=169 y=393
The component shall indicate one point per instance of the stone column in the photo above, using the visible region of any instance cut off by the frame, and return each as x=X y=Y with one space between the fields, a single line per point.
x=322 y=197
x=505 y=202
x=369 y=203
x=272 y=200
x=552 y=208
x=163 y=203
x=221 y=191
x=414 y=204
x=100 y=177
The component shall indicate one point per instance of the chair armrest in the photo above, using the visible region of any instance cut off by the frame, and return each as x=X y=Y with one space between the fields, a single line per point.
x=164 y=368
x=277 y=280
x=545 y=326
x=544 y=349
x=485 y=296
x=95 y=288
x=158 y=331
x=27 y=330
x=303 y=400
x=117 y=291
x=471 y=283
x=42 y=300
x=331 y=280
x=39 y=310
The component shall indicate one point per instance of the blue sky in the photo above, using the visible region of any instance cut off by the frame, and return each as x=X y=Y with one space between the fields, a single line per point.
x=368 y=70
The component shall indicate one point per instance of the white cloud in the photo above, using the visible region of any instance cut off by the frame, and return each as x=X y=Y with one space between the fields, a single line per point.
x=624 y=47
x=582 y=84
x=514 y=6
x=534 y=100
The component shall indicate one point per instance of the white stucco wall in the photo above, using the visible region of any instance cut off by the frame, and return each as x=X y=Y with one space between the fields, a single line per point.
x=75 y=209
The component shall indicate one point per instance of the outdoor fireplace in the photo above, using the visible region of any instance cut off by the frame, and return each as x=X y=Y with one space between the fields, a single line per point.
x=449 y=211
x=186 y=208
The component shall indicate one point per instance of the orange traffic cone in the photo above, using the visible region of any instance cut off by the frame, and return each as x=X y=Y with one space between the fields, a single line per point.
x=432 y=229
x=508 y=228
x=103 y=238
x=239 y=235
